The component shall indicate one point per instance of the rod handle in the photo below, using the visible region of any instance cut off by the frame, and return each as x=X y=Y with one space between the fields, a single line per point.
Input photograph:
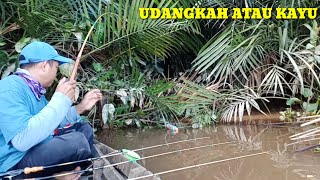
x=29 y=170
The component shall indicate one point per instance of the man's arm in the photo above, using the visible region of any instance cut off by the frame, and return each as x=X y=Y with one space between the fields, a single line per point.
x=42 y=125
x=73 y=116
x=86 y=104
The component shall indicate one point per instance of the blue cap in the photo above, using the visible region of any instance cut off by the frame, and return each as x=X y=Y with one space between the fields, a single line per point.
x=40 y=51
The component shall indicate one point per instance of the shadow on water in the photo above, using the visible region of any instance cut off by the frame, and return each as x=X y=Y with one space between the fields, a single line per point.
x=280 y=163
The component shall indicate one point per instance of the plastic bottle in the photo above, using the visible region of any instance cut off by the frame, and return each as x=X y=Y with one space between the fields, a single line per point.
x=172 y=128
x=195 y=126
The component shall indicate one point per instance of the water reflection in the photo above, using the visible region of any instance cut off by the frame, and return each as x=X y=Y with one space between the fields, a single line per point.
x=230 y=173
x=280 y=156
x=280 y=163
x=248 y=141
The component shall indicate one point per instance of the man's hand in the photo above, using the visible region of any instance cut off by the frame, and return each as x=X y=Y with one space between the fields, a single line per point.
x=89 y=100
x=67 y=87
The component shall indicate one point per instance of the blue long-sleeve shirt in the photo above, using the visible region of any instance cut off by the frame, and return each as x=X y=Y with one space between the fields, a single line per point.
x=26 y=121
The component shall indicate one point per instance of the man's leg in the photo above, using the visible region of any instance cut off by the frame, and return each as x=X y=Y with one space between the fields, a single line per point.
x=86 y=130
x=64 y=148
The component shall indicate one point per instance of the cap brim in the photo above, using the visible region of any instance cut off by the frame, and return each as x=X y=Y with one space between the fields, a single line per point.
x=62 y=59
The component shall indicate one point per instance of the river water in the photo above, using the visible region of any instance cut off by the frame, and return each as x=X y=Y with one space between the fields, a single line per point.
x=279 y=162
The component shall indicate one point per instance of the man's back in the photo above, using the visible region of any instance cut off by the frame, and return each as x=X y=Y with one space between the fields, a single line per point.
x=18 y=105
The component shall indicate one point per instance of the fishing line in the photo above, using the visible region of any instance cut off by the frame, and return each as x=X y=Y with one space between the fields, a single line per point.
x=197 y=165
x=29 y=170
x=124 y=162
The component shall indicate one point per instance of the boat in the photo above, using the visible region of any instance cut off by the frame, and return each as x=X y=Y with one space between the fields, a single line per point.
x=119 y=172
x=122 y=171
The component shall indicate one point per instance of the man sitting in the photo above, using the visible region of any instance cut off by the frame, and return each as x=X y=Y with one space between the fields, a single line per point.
x=28 y=120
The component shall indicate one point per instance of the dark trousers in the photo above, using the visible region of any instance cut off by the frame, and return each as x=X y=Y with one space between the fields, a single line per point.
x=68 y=145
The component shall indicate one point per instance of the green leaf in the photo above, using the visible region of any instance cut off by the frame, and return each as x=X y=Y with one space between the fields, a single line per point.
x=3 y=57
x=138 y=123
x=119 y=83
x=282 y=118
x=21 y=43
x=310 y=107
x=66 y=68
x=317 y=58
x=97 y=67
x=317 y=50
x=128 y=121
x=292 y=101
x=309 y=46
x=9 y=69
x=108 y=111
x=311 y=59
x=159 y=87
x=307 y=92
x=68 y=25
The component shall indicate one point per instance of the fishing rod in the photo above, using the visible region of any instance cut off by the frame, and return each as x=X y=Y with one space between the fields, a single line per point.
x=310 y=122
x=304 y=132
x=124 y=162
x=77 y=62
x=307 y=136
x=29 y=170
x=197 y=165
x=297 y=142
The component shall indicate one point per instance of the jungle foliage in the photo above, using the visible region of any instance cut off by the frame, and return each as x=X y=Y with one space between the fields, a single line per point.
x=157 y=71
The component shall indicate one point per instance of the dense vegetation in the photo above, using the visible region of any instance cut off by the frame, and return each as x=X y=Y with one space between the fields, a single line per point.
x=156 y=71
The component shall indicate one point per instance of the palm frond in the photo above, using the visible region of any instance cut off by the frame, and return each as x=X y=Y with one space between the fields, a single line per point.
x=40 y=18
x=128 y=32
x=237 y=104
x=274 y=80
x=230 y=54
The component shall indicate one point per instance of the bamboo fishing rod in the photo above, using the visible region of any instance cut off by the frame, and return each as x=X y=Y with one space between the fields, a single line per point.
x=308 y=117
x=310 y=135
x=310 y=122
x=297 y=142
x=77 y=62
x=29 y=170
x=143 y=158
x=306 y=134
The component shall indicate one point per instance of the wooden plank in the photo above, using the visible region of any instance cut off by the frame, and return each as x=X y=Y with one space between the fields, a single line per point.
x=105 y=173
x=132 y=169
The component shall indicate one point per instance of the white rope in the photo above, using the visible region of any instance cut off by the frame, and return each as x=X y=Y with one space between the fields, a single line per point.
x=197 y=165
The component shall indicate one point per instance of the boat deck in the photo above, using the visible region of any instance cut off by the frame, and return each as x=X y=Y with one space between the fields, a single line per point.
x=118 y=172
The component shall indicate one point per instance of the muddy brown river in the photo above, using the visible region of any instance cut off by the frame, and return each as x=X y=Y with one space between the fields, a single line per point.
x=280 y=162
